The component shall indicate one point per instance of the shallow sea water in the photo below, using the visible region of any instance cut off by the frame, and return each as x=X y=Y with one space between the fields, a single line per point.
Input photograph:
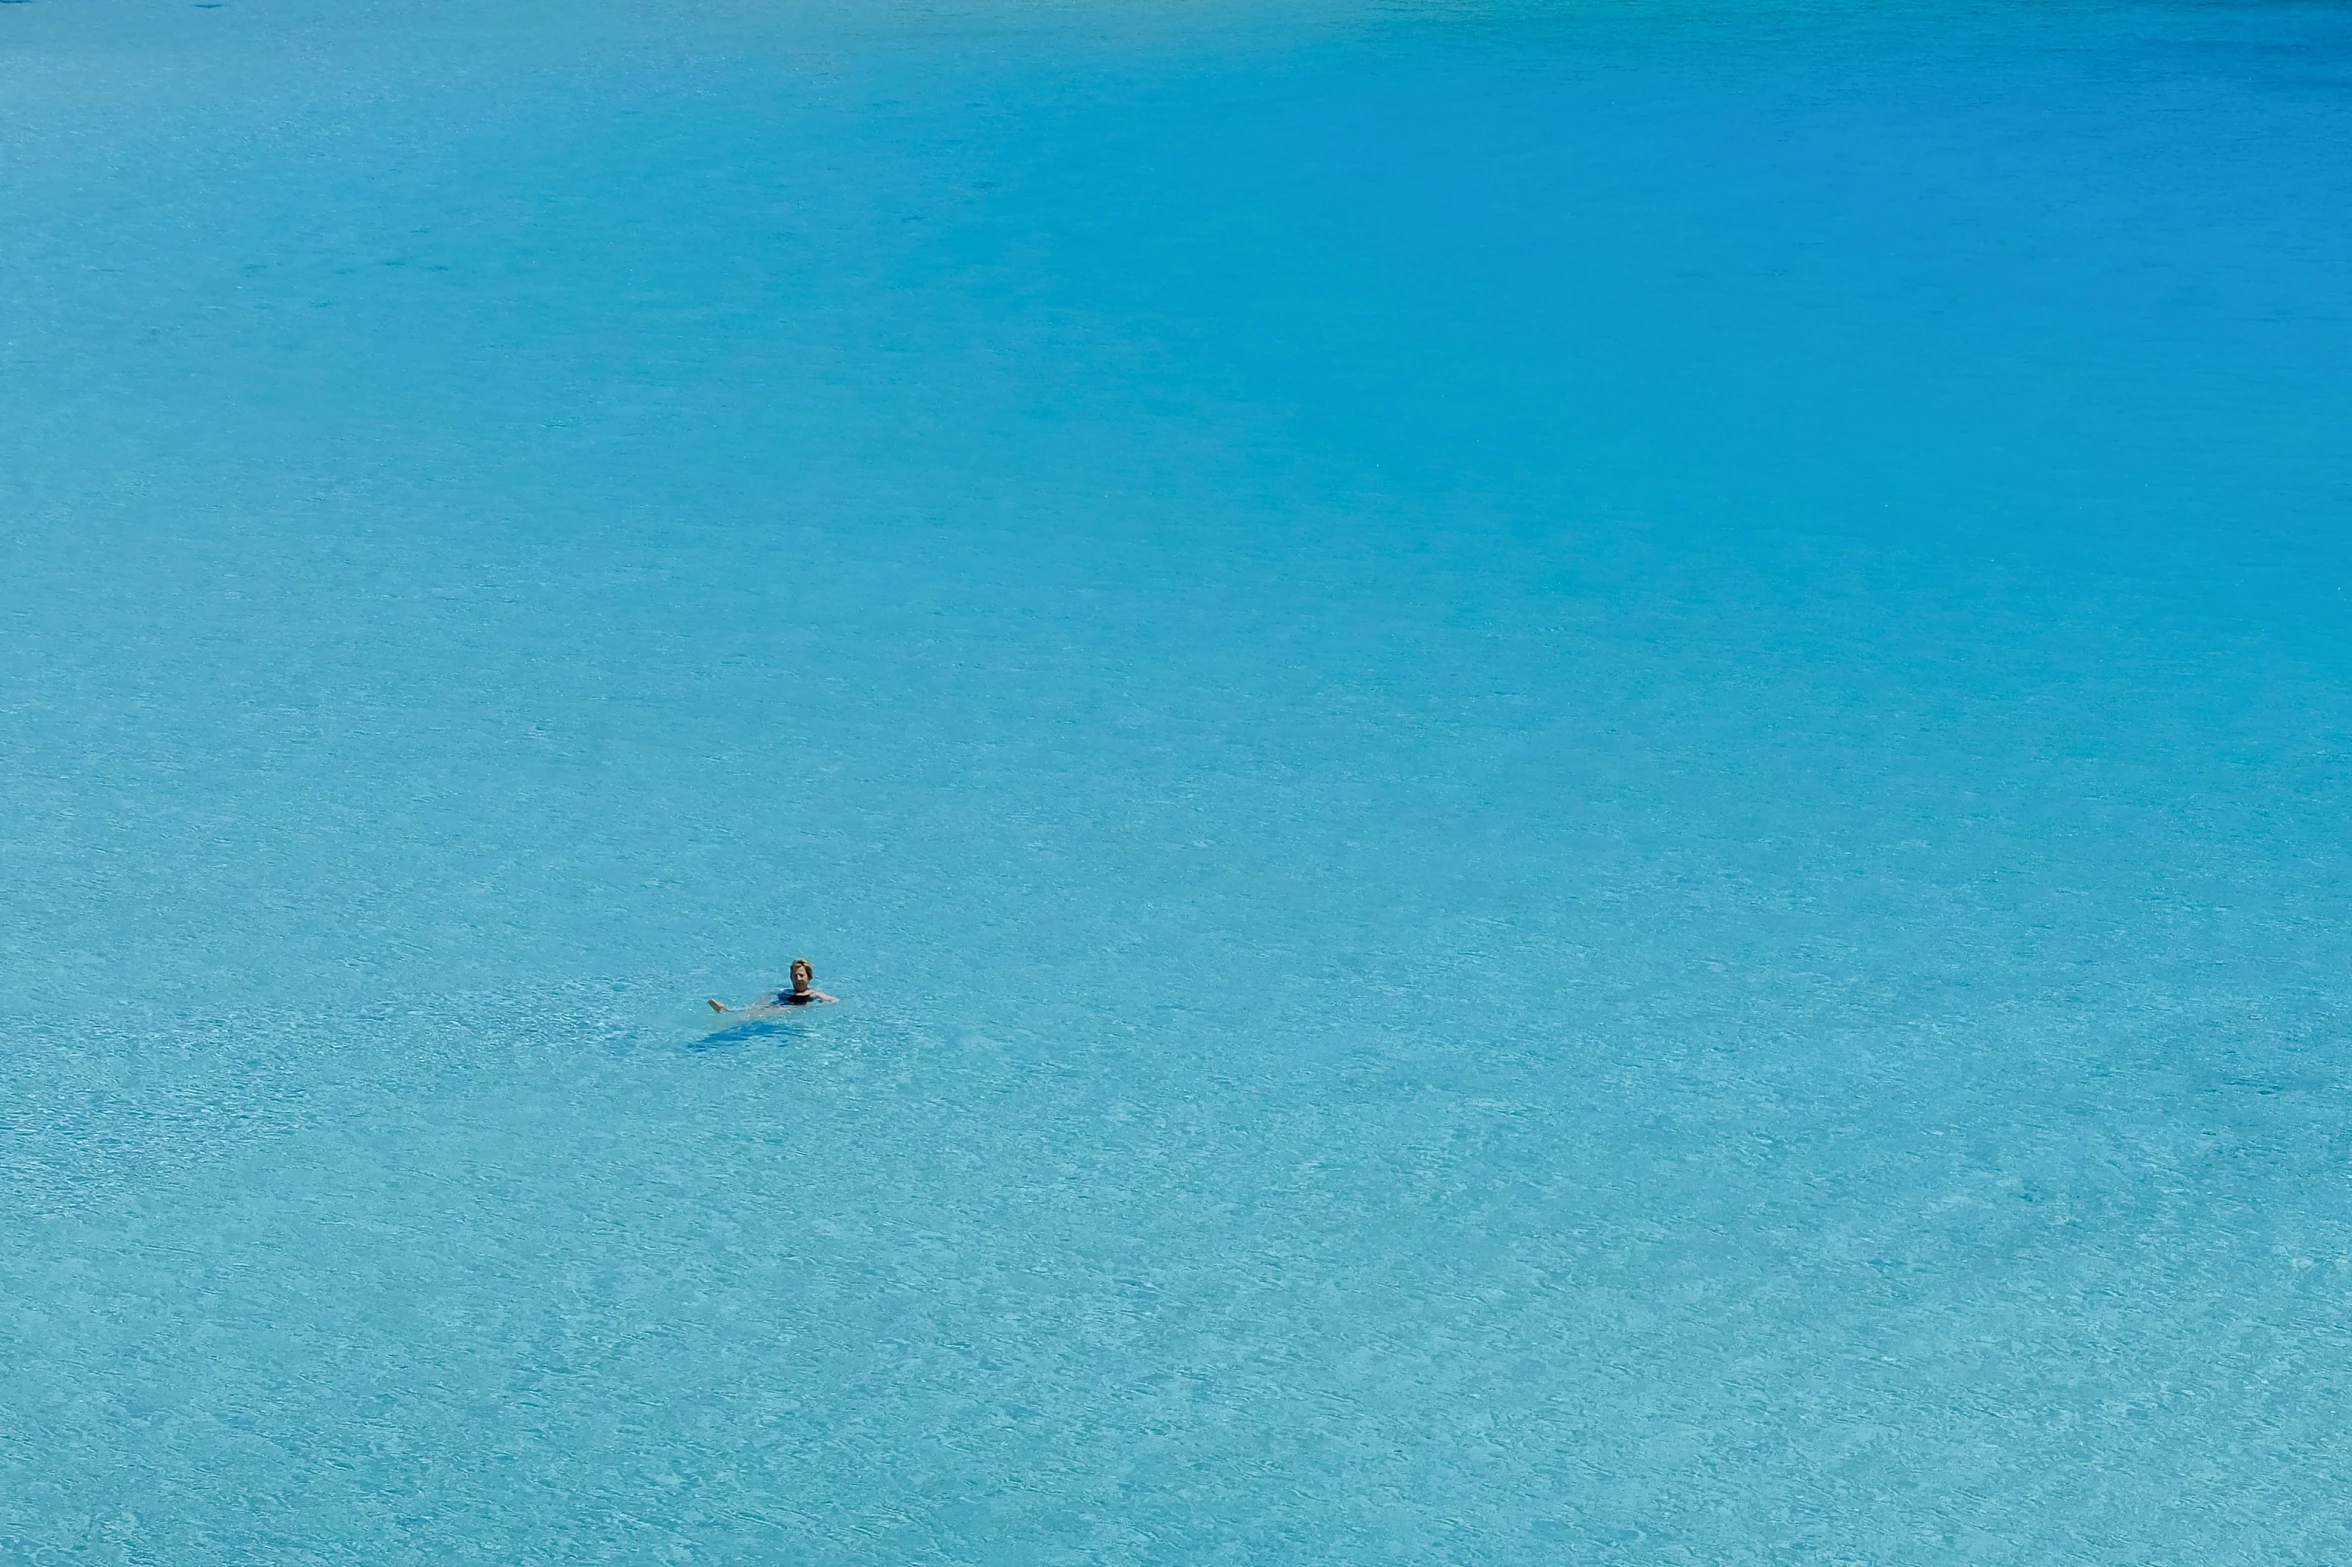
x=1576 y=775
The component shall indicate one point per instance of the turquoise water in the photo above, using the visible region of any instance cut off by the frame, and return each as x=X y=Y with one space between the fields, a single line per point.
x=1576 y=776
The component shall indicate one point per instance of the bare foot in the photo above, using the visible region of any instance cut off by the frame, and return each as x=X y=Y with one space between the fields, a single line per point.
x=717 y=1005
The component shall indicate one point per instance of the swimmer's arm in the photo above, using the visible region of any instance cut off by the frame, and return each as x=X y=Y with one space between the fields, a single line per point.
x=716 y=1005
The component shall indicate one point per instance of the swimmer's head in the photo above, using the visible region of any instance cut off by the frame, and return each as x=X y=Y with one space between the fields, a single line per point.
x=802 y=973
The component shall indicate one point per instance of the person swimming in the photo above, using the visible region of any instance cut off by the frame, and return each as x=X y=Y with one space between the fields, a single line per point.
x=800 y=995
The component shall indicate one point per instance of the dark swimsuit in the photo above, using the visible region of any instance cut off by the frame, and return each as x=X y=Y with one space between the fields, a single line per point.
x=787 y=998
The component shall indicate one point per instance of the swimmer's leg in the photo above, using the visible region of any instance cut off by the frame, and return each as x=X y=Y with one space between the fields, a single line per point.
x=716 y=1005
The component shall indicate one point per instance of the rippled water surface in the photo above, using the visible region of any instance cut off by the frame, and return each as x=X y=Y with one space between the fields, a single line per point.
x=1576 y=773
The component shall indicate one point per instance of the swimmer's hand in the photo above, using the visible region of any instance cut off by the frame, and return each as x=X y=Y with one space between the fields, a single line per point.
x=716 y=1005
